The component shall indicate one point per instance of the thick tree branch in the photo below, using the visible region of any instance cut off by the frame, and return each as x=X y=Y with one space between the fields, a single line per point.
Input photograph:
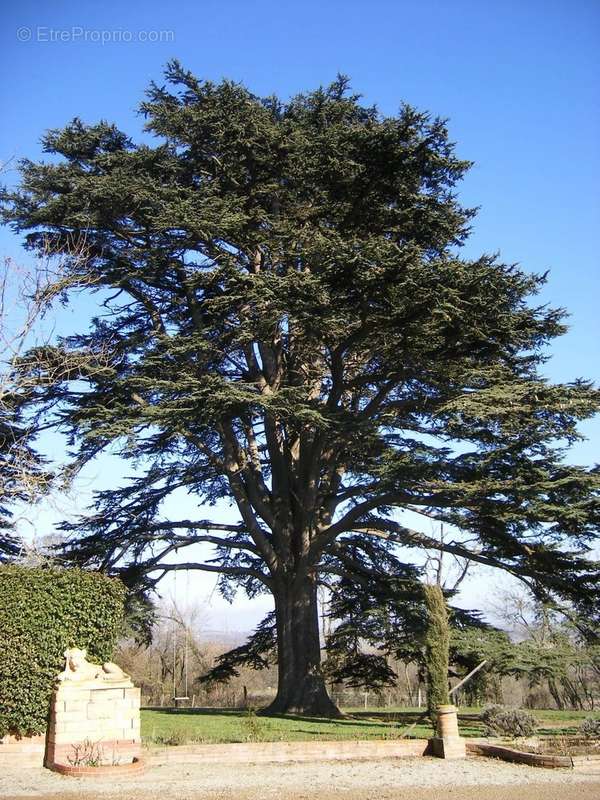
x=237 y=572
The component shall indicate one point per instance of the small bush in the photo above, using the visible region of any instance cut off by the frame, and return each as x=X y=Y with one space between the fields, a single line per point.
x=513 y=722
x=253 y=728
x=590 y=728
x=174 y=738
x=43 y=611
x=86 y=754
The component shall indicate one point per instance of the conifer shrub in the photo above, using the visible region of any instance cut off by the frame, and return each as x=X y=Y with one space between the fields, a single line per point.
x=43 y=611
x=437 y=648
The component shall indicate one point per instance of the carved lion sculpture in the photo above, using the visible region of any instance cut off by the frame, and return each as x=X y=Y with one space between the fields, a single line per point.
x=78 y=668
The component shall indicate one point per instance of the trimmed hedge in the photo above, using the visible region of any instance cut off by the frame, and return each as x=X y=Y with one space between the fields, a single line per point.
x=42 y=612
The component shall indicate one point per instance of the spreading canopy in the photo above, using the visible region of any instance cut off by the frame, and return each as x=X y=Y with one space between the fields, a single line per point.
x=286 y=321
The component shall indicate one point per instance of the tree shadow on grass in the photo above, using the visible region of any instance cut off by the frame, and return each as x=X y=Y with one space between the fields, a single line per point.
x=354 y=720
x=204 y=711
x=338 y=722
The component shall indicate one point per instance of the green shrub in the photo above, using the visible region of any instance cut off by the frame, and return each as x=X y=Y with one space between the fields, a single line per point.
x=513 y=722
x=43 y=611
x=437 y=648
x=253 y=728
x=590 y=727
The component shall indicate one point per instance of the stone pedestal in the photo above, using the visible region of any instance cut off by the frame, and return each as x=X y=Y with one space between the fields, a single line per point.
x=93 y=723
x=448 y=743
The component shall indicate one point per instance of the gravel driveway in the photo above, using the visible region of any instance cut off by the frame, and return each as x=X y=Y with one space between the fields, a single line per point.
x=475 y=778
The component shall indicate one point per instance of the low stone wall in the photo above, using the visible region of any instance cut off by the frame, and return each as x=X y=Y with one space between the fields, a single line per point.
x=264 y=752
x=590 y=763
x=25 y=751
x=29 y=752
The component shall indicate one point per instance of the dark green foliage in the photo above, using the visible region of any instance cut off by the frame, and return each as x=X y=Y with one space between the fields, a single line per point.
x=360 y=670
x=376 y=602
x=560 y=659
x=560 y=662
x=437 y=648
x=288 y=323
x=469 y=646
x=471 y=643
x=513 y=722
x=139 y=617
x=259 y=652
x=380 y=604
x=42 y=612
x=22 y=476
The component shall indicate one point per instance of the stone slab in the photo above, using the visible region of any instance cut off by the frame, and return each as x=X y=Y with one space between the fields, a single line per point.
x=448 y=747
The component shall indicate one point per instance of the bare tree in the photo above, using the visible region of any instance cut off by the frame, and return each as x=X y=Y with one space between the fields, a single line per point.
x=27 y=298
x=448 y=574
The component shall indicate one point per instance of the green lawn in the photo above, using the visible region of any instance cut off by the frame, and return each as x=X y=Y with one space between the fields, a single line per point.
x=199 y=725
x=181 y=726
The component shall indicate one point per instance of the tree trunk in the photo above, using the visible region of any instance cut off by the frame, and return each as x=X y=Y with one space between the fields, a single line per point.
x=301 y=686
x=555 y=694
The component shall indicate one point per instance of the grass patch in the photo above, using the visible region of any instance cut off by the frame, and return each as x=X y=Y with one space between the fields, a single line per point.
x=180 y=726
x=206 y=726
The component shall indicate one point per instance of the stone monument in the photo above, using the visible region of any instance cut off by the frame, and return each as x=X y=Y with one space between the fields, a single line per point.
x=94 y=717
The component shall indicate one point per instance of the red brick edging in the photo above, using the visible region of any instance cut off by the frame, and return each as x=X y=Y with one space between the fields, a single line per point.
x=103 y=771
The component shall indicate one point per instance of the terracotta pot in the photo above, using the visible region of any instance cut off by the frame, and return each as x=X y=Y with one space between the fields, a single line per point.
x=447 y=722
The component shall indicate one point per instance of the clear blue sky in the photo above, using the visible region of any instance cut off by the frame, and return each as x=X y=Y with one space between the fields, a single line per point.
x=519 y=82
